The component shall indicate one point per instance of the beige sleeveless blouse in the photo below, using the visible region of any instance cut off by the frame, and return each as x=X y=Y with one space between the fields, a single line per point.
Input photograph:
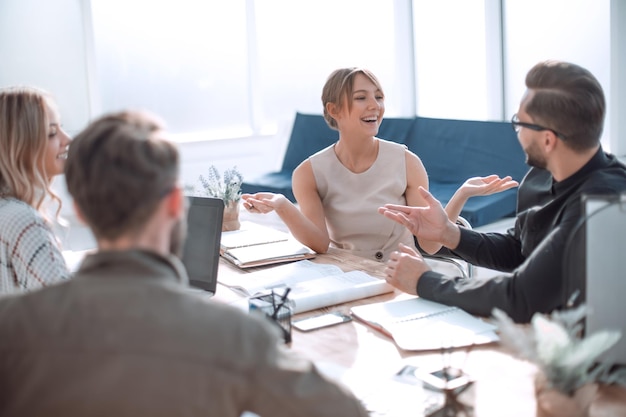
x=351 y=201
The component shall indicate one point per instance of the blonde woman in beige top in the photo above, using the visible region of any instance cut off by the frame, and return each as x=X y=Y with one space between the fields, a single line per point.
x=339 y=189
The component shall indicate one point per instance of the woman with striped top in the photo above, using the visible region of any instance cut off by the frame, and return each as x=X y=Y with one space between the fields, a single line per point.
x=33 y=149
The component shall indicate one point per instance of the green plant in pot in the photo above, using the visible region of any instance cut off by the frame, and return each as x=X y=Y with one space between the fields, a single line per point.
x=228 y=188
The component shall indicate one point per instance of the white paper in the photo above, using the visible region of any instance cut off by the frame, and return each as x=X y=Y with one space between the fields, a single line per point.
x=250 y=234
x=312 y=285
x=419 y=324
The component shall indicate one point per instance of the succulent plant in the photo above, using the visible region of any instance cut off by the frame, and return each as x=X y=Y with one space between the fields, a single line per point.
x=555 y=345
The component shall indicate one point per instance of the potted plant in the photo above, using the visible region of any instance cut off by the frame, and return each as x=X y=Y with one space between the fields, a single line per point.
x=568 y=366
x=228 y=188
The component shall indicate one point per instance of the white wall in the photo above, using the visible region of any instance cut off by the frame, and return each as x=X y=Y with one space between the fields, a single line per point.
x=617 y=103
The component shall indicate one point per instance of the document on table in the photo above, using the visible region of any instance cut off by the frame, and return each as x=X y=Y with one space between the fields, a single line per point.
x=312 y=285
x=420 y=324
x=257 y=245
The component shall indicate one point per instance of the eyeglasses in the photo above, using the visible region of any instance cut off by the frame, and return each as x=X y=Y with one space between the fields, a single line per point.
x=517 y=126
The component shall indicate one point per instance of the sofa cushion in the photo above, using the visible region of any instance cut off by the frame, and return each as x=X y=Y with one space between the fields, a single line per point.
x=455 y=150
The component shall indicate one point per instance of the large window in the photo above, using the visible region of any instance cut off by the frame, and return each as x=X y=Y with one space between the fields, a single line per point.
x=458 y=59
x=240 y=68
x=300 y=43
x=182 y=59
x=571 y=30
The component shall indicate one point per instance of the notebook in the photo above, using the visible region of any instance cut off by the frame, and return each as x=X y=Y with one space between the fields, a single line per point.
x=420 y=324
x=201 y=253
x=256 y=245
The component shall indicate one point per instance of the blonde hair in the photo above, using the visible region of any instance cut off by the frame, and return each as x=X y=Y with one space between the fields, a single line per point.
x=339 y=85
x=24 y=123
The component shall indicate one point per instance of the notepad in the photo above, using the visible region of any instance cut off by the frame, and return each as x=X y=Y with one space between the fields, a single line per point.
x=251 y=234
x=420 y=324
x=257 y=245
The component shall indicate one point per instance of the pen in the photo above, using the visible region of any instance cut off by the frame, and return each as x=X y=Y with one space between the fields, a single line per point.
x=572 y=298
x=283 y=299
x=273 y=302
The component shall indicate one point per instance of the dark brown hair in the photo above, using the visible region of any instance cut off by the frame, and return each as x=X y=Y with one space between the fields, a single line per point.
x=569 y=100
x=339 y=86
x=118 y=169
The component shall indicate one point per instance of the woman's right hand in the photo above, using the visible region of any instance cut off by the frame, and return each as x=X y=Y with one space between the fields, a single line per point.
x=491 y=184
x=263 y=202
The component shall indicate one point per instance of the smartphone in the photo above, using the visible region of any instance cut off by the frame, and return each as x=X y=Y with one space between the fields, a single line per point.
x=322 y=320
x=450 y=379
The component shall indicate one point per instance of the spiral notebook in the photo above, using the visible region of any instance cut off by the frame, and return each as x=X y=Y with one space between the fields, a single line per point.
x=420 y=324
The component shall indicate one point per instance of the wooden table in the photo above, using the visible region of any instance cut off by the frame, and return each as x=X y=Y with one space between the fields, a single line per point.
x=504 y=384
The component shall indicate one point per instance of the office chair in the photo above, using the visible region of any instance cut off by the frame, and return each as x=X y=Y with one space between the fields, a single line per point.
x=467 y=270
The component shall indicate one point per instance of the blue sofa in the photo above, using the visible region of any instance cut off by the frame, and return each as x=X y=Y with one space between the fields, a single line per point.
x=451 y=150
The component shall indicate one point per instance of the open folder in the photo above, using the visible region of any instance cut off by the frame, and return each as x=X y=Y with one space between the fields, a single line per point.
x=257 y=245
x=420 y=324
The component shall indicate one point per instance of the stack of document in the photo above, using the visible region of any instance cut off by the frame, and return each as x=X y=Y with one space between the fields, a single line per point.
x=256 y=245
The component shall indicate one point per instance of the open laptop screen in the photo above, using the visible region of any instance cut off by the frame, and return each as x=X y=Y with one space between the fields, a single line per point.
x=605 y=232
x=201 y=253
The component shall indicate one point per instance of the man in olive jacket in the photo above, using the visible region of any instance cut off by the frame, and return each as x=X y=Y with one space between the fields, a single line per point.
x=125 y=337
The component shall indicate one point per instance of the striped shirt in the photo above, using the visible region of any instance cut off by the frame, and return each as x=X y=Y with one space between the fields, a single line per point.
x=30 y=254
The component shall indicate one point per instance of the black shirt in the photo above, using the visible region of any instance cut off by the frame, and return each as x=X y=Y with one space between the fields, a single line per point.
x=532 y=253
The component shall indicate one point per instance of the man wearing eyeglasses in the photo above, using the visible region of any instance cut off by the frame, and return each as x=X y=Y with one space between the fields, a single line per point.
x=559 y=124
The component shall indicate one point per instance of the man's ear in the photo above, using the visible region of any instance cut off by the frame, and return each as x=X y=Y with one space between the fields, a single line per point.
x=176 y=202
x=550 y=141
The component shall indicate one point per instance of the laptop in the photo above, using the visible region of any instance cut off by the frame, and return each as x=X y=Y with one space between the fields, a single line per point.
x=201 y=252
x=605 y=240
